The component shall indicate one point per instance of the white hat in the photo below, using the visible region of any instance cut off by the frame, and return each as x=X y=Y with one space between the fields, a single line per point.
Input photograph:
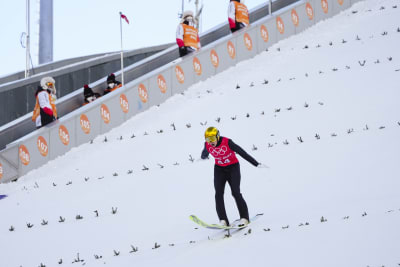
x=45 y=81
x=187 y=13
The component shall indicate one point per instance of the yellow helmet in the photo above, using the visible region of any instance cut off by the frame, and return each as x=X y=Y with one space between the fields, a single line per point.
x=211 y=134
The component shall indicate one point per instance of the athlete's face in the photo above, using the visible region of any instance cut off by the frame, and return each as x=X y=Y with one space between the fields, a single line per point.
x=214 y=144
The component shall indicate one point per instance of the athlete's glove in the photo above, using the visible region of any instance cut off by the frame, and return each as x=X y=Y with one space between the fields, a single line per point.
x=200 y=159
x=262 y=166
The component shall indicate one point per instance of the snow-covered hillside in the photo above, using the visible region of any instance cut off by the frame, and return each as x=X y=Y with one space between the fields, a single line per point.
x=321 y=109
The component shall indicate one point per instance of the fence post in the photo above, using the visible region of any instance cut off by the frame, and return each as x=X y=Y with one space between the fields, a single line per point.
x=270 y=7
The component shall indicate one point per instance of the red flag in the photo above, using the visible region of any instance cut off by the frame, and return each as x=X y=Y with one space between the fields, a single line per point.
x=124 y=17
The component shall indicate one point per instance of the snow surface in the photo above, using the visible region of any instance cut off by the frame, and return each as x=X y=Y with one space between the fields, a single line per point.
x=345 y=172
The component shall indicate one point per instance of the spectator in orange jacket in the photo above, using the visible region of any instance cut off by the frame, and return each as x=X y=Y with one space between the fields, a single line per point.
x=45 y=110
x=49 y=84
x=187 y=36
x=238 y=15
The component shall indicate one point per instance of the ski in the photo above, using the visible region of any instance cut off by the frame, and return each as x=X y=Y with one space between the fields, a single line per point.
x=195 y=219
x=234 y=225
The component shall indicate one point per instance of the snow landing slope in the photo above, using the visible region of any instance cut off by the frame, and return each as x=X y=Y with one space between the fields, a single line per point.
x=320 y=108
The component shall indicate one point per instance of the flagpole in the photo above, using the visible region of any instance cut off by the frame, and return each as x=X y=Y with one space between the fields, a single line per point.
x=122 y=51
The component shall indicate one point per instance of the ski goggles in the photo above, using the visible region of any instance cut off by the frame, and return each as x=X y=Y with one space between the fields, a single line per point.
x=211 y=139
x=50 y=84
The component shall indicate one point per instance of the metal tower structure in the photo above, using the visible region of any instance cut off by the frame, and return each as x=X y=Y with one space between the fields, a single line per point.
x=46 y=32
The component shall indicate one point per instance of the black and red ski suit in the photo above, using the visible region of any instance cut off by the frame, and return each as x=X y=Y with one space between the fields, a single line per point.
x=227 y=169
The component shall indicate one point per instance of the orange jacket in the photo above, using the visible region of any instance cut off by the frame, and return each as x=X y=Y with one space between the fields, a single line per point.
x=109 y=90
x=53 y=105
x=190 y=36
x=242 y=14
x=36 y=110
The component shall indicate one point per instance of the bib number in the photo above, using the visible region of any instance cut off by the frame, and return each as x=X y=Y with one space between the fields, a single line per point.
x=224 y=162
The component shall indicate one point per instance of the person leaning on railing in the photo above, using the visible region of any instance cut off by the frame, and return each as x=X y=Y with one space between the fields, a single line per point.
x=238 y=15
x=187 y=36
x=112 y=84
x=45 y=110
x=89 y=95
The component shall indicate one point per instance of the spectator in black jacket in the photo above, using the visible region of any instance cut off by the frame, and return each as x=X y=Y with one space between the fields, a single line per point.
x=112 y=84
x=89 y=95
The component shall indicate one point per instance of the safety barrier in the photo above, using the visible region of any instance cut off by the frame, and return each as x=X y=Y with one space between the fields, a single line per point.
x=69 y=76
x=153 y=88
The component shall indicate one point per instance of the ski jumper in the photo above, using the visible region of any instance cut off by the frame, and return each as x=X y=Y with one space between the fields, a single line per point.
x=227 y=170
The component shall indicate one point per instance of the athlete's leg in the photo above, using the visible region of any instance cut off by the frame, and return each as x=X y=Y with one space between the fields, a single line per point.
x=234 y=183
x=219 y=185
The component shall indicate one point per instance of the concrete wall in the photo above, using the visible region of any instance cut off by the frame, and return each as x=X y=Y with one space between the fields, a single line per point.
x=83 y=124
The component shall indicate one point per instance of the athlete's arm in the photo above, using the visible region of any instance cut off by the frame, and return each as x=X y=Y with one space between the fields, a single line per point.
x=242 y=153
x=204 y=153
